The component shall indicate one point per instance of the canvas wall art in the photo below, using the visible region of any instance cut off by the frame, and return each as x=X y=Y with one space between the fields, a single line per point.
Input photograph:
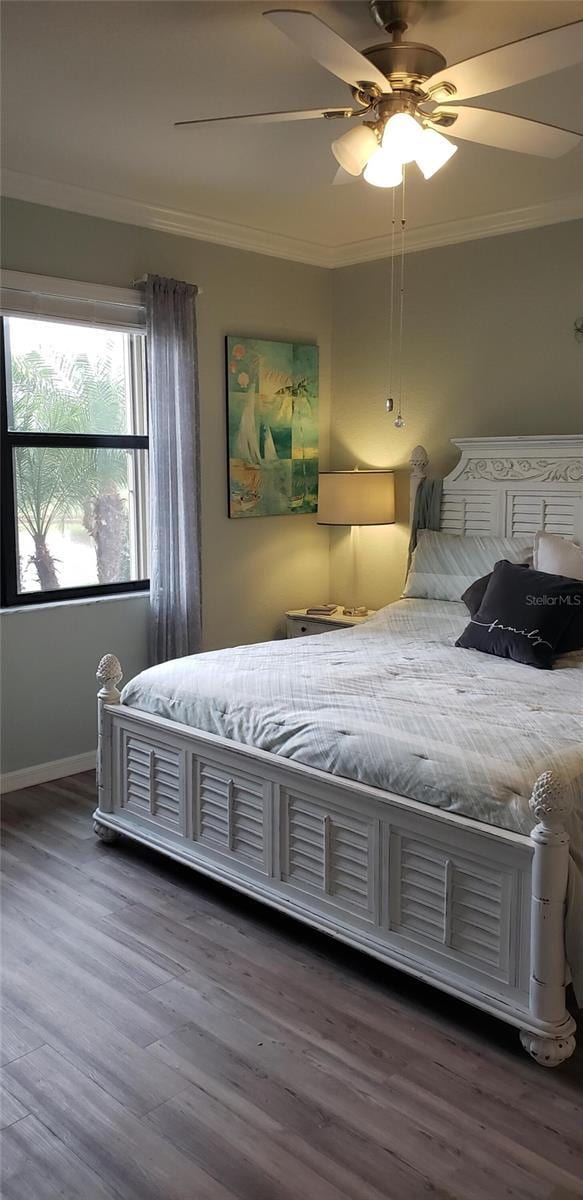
x=272 y=414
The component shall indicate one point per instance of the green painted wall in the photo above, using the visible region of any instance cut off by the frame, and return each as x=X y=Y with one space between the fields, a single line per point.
x=252 y=569
x=489 y=349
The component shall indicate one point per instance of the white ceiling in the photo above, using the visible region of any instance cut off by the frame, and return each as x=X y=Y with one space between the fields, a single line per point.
x=91 y=91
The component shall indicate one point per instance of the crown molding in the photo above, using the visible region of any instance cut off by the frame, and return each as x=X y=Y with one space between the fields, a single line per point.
x=166 y=220
x=67 y=196
x=467 y=229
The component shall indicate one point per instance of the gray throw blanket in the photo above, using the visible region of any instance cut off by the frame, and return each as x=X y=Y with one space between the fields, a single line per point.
x=426 y=510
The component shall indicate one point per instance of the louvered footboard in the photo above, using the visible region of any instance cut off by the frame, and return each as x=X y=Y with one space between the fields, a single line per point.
x=475 y=910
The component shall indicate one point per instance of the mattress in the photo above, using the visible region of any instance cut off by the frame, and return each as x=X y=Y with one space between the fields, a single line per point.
x=394 y=704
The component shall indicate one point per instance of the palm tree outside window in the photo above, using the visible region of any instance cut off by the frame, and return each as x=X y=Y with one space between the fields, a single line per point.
x=74 y=461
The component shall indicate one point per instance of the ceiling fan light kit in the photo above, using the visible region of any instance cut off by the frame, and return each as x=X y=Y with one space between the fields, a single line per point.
x=404 y=140
x=413 y=82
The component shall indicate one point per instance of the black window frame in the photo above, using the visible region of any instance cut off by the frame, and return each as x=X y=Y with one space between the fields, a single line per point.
x=10 y=597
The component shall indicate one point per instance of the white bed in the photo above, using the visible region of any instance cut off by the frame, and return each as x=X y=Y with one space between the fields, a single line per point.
x=397 y=818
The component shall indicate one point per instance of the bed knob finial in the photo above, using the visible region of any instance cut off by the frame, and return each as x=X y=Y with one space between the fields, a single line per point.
x=419 y=459
x=109 y=674
x=550 y=802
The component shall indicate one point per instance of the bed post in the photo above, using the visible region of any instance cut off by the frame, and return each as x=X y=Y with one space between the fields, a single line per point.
x=419 y=461
x=550 y=805
x=108 y=674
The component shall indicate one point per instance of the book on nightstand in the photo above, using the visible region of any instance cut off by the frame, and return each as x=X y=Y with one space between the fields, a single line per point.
x=321 y=610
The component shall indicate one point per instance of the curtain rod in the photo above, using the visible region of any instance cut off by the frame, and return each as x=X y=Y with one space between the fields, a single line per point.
x=141 y=281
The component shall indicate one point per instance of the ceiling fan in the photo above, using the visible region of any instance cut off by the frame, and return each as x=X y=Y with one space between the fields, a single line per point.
x=410 y=95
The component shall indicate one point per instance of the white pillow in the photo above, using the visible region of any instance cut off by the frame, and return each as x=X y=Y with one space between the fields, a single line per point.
x=557 y=556
x=445 y=564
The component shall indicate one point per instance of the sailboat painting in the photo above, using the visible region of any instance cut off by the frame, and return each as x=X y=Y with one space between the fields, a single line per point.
x=273 y=427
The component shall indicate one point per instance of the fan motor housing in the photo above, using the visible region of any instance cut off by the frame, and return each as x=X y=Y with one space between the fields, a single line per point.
x=406 y=64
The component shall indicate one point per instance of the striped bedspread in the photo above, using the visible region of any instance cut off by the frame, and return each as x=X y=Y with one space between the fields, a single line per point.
x=394 y=704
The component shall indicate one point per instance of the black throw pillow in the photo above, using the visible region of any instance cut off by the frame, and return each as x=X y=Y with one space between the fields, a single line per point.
x=523 y=615
x=572 y=636
x=474 y=595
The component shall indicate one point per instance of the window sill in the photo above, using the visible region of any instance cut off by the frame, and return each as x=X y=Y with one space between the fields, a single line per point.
x=79 y=602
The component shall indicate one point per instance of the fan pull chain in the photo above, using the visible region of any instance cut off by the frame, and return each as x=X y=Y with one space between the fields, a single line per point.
x=390 y=403
x=399 y=422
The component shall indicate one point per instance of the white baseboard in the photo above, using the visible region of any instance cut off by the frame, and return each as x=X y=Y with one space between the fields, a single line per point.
x=13 y=781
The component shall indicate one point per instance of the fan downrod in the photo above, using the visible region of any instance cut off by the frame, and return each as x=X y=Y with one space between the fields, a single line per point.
x=395 y=16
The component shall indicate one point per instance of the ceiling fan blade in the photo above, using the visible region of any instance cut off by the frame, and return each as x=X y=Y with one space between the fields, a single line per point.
x=302 y=114
x=509 y=65
x=507 y=132
x=327 y=47
x=341 y=177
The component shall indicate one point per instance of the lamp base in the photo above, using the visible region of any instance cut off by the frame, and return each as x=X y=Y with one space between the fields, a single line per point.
x=353 y=611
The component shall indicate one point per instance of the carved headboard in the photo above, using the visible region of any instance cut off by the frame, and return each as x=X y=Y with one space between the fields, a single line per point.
x=511 y=486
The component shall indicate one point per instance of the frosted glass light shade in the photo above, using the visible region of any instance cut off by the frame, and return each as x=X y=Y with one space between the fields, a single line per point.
x=356 y=498
x=433 y=152
x=383 y=170
x=354 y=148
x=402 y=137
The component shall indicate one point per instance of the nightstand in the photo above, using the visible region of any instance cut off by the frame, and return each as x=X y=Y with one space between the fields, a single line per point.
x=299 y=624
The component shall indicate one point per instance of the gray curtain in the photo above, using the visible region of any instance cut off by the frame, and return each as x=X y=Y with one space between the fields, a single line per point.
x=175 y=573
x=426 y=510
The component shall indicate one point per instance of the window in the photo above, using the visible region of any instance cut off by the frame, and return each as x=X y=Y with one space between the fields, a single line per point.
x=74 y=461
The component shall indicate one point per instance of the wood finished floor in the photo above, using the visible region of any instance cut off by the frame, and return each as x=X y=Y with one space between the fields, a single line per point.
x=165 y=1039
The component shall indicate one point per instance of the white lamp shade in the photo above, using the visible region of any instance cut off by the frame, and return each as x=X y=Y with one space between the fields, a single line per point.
x=433 y=152
x=402 y=137
x=354 y=148
x=356 y=498
x=383 y=170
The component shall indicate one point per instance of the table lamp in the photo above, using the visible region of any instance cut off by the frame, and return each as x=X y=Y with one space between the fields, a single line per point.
x=356 y=498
